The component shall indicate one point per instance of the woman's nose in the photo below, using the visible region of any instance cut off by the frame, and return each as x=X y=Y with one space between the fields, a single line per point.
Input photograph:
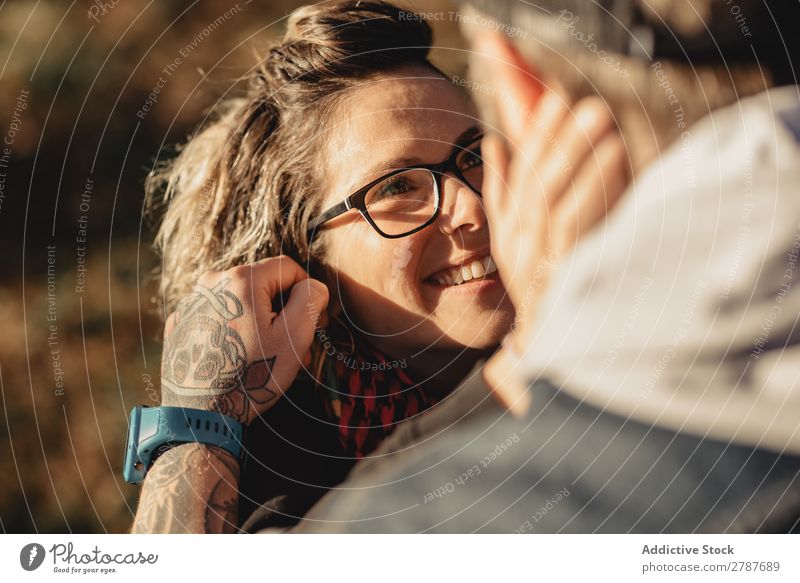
x=461 y=207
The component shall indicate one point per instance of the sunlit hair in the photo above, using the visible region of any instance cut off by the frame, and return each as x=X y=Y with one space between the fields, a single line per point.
x=245 y=186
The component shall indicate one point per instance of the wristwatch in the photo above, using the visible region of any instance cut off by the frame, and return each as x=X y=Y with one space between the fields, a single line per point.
x=154 y=430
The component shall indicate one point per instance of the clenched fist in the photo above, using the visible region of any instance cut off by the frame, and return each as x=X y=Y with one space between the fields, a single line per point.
x=227 y=350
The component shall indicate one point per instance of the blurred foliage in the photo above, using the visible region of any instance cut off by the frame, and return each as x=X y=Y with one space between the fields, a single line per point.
x=72 y=78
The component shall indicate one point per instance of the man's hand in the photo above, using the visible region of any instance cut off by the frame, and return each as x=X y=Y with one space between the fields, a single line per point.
x=558 y=171
x=226 y=350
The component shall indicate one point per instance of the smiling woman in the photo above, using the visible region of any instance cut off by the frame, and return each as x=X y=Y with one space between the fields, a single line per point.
x=353 y=156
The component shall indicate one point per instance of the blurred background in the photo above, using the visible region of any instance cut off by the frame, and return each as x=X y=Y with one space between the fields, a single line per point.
x=92 y=94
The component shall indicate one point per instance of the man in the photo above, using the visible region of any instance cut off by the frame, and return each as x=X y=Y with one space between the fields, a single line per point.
x=663 y=363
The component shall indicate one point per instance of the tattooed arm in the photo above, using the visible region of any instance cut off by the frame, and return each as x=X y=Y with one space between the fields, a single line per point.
x=191 y=488
x=225 y=350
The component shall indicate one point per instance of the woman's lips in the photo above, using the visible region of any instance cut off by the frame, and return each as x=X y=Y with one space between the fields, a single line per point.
x=467 y=273
x=471 y=288
x=476 y=284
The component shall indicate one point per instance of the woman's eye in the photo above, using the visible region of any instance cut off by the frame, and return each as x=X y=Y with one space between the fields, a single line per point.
x=472 y=159
x=393 y=188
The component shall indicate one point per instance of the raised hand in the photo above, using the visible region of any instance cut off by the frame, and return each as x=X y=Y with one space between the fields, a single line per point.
x=557 y=171
x=226 y=350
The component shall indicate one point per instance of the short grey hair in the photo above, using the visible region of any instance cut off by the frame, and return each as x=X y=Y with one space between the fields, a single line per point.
x=671 y=94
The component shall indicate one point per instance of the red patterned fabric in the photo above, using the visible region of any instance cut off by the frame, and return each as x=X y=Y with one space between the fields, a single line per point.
x=368 y=395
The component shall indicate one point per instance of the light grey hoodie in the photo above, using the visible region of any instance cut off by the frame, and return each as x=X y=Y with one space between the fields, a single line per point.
x=682 y=309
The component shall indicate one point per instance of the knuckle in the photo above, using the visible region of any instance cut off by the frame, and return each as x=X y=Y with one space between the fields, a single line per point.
x=283 y=260
x=615 y=151
x=240 y=273
x=593 y=114
x=208 y=277
x=279 y=263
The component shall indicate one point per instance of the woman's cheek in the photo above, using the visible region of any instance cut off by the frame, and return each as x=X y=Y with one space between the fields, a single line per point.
x=401 y=272
x=352 y=252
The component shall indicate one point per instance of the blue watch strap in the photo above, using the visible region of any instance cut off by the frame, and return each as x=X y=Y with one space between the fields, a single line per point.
x=153 y=430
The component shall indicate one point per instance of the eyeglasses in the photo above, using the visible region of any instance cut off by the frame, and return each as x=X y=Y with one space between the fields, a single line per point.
x=407 y=200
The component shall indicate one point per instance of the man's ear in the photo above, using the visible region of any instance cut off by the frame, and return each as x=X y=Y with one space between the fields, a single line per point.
x=515 y=80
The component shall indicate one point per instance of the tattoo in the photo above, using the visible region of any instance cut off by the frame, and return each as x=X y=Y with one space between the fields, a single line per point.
x=193 y=487
x=222 y=509
x=190 y=489
x=205 y=362
x=253 y=390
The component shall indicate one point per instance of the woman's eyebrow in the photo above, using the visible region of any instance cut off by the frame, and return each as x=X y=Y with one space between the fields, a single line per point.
x=468 y=135
x=393 y=164
x=388 y=165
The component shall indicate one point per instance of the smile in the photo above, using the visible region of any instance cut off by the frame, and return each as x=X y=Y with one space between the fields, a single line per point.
x=474 y=270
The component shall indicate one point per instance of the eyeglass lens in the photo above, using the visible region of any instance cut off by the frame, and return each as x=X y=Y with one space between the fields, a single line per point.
x=406 y=201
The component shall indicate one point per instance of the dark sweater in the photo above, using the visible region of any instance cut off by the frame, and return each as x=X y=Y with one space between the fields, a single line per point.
x=293 y=457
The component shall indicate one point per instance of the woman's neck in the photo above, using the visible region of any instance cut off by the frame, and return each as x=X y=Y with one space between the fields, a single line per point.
x=441 y=371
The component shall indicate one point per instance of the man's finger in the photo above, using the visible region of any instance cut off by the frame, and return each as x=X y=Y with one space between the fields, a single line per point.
x=581 y=130
x=596 y=189
x=514 y=77
x=539 y=138
x=495 y=164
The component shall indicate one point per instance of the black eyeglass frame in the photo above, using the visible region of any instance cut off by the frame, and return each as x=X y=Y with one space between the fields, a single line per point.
x=357 y=200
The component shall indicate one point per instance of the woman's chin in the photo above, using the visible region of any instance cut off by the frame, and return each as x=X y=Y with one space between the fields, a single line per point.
x=485 y=332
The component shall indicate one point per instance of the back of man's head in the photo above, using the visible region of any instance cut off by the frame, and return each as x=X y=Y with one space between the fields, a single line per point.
x=659 y=64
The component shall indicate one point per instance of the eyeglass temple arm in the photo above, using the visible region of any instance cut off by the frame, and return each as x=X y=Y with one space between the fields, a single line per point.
x=329 y=214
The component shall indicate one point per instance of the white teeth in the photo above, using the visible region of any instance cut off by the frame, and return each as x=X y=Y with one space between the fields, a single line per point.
x=473 y=270
x=477 y=268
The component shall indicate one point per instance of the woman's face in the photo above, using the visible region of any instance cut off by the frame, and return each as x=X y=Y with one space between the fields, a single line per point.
x=402 y=293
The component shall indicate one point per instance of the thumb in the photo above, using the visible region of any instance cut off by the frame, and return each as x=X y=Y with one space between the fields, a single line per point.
x=293 y=328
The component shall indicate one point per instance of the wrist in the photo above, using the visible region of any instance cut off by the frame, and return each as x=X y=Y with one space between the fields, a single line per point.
x=219 y=404
x=187 y=449
x=155 y=431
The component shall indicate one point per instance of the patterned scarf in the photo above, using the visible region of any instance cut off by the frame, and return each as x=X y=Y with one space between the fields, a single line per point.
x=367 y=395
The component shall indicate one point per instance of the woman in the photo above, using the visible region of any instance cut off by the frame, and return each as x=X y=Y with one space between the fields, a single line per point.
x=347 y=99
x=352 y=156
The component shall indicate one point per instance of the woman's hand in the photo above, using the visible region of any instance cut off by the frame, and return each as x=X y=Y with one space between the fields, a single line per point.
x=225 y=347
x=565 y=167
